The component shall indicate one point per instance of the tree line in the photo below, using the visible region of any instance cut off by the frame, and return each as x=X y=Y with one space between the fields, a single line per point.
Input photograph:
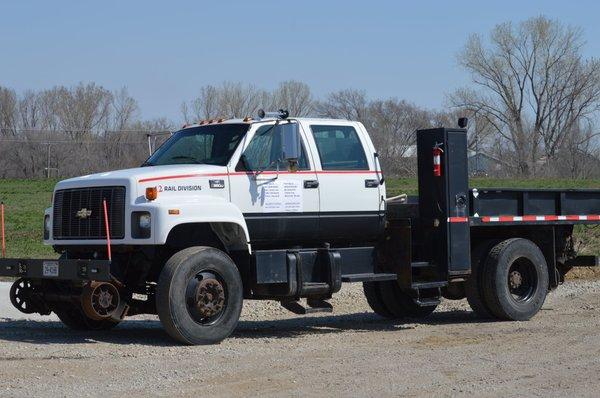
x=533 y=106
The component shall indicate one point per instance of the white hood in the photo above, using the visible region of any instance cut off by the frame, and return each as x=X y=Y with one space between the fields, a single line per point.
x=136 y=180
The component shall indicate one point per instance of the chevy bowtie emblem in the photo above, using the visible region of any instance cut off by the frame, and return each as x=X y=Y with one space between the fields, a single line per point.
x=83 y=213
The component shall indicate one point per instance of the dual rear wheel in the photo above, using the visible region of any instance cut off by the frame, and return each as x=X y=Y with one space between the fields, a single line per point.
x=509 y=280
x=388 y=300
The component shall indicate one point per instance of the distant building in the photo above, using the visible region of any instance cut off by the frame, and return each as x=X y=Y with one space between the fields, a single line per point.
x=484 y=164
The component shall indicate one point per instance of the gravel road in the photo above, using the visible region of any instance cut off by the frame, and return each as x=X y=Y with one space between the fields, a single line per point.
x=351 y=352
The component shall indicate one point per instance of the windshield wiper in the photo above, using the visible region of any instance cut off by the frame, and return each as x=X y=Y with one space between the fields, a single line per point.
x=146 y=164
x=194 y=160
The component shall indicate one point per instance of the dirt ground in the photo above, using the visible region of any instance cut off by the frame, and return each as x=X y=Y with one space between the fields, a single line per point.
x=351 y=352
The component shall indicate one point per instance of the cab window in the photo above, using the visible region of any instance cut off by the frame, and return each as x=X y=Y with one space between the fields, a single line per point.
x=264 y=152
x=339 y=148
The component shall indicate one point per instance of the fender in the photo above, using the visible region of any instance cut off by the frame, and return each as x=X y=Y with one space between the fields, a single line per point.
x=202 y=209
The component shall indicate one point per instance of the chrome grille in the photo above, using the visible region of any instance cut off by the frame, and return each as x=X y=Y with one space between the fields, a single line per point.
x=78 y=213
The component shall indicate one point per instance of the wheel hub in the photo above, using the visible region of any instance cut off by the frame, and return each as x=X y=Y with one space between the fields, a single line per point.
x=515 y=279
x=104 y=299
x=100 y=300
x=210 y=297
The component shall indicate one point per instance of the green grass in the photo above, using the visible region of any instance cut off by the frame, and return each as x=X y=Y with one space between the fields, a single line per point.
x=408 y=186
x=25 y=201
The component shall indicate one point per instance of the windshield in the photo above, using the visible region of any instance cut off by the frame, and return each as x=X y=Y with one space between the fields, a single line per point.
x=212 y=144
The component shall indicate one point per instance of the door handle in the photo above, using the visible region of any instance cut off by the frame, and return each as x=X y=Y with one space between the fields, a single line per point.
x=311 y=184
x=371 y=183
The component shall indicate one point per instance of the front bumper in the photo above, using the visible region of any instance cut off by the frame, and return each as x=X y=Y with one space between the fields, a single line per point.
x=69 y=270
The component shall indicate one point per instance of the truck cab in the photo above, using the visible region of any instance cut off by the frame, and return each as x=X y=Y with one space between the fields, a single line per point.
x=230 y=176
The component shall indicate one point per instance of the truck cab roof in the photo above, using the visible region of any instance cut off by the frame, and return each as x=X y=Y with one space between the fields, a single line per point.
x=249 y=120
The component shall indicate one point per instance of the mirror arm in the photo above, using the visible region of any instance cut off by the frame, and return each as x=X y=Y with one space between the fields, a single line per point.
x=378 y=167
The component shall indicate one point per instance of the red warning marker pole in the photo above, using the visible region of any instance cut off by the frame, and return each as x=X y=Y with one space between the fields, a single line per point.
x=2 y=227
x=107 y=229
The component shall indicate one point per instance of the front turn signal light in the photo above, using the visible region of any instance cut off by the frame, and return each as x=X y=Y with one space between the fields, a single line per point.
x=151 y=193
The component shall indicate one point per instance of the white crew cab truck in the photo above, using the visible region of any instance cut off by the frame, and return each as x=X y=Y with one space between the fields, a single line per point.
x=286 y=209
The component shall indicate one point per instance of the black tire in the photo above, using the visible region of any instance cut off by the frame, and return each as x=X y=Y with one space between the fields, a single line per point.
x=373 y=295
x=474 y=285
x=73 y=317
x=515 y=279
x=400 y=304
x=177 y=310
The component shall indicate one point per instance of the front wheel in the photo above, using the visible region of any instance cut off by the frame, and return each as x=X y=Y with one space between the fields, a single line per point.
x=199 y=296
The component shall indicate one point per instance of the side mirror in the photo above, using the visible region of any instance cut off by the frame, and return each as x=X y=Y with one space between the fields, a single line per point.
x=290 y=143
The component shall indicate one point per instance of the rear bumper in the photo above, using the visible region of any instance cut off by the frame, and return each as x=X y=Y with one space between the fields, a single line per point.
x=71 y=269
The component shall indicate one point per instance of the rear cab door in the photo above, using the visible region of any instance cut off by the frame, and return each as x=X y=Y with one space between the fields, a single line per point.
x=352 y=196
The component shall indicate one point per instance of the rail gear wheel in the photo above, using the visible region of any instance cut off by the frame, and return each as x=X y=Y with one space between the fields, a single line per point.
x=515 y=279
x=400 y=304
x=99 y=300
x=23 y=297
x=73 y=317
x=199 y=295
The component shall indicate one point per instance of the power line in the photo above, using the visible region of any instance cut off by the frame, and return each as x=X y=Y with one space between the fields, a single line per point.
x=72 y=142
x=71 y=131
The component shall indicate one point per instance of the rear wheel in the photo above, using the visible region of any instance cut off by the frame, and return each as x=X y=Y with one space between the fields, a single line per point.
x=400 y=304
x=373 y=296
x=515 y=279
x=474 y=285
x=199 y=296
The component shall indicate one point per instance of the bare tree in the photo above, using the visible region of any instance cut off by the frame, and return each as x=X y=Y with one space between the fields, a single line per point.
x=124 y=109
x=8 y=111
x=347 y=104
x=295 y=97
x=533 y=85
x=228 y=100
x=205 y=106
x=392 y=124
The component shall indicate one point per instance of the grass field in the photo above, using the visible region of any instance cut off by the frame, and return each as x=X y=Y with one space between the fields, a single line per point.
x=25 y=201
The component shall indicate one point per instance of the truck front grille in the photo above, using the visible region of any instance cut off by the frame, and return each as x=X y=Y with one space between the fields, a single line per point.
x=78 y=213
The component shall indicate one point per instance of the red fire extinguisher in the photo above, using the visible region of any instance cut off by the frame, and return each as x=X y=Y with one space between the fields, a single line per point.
x=437 y=161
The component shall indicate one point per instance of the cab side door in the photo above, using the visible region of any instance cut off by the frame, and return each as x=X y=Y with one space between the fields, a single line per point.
x=280 y=206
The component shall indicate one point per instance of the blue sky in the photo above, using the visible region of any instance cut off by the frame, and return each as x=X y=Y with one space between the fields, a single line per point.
x=165 y=51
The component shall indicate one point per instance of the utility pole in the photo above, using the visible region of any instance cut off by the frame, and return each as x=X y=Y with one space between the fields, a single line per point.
x=48 y=163
x=48 y=168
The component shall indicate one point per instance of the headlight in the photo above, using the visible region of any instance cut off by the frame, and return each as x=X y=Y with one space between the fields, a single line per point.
x=145 y=221
x=47 y=227
x=141 y=223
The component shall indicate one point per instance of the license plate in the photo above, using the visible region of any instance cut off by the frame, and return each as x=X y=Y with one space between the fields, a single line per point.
x=50 y=268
